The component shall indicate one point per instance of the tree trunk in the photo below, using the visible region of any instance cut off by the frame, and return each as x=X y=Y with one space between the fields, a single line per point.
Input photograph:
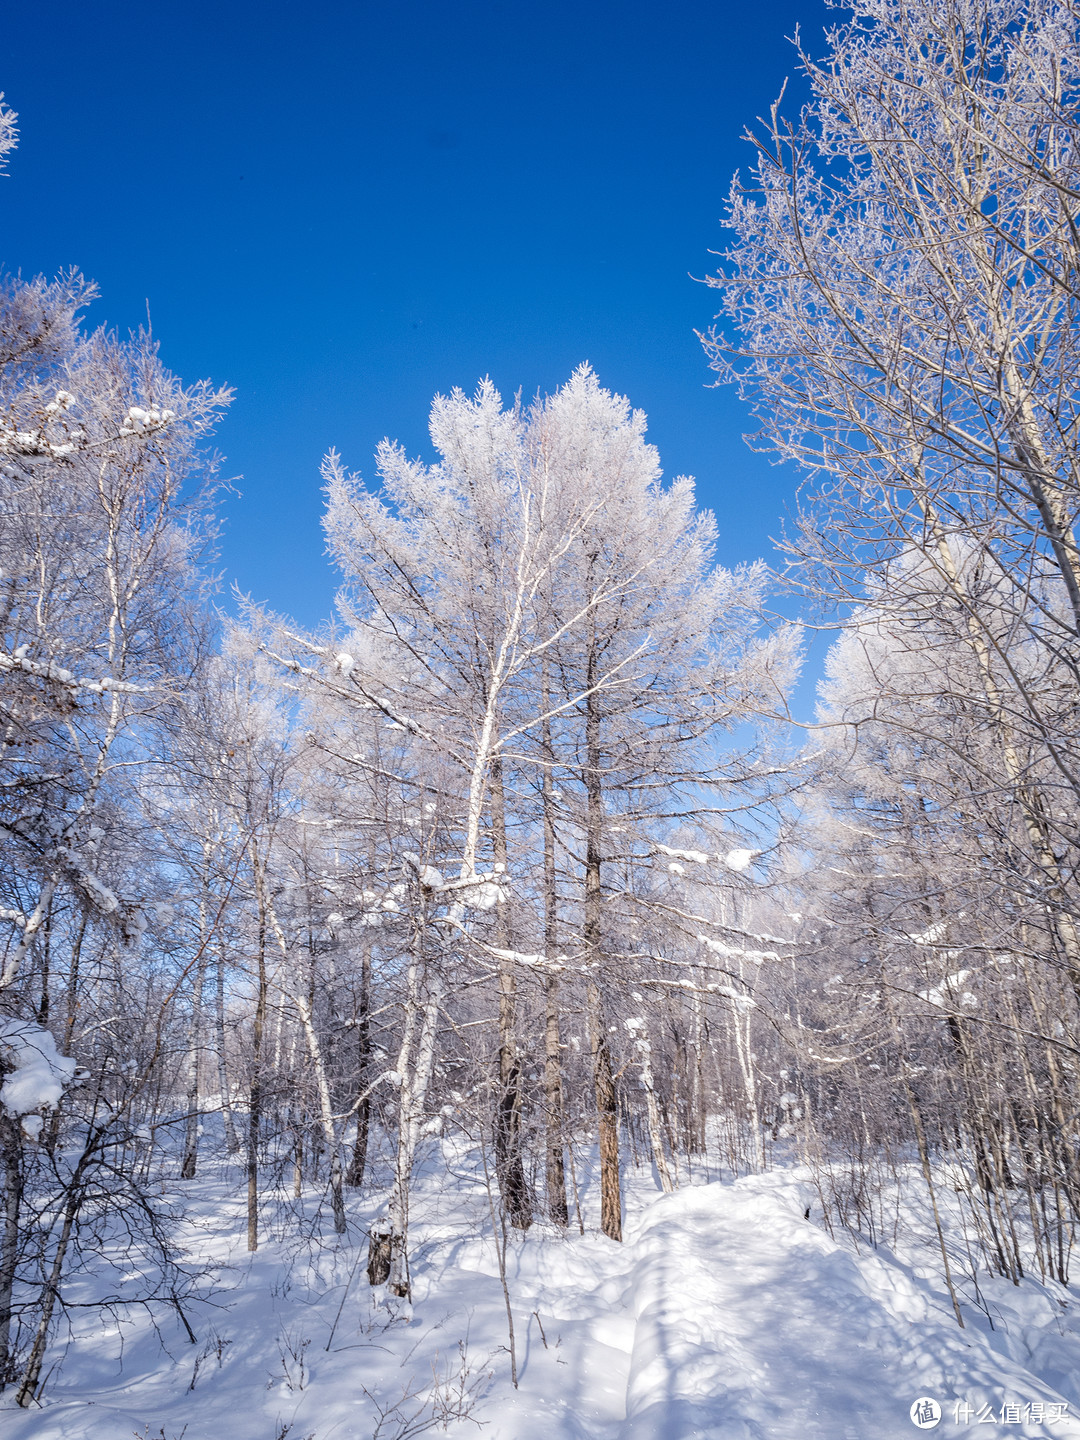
x=28 y=1388
x=379 y=1252
x=191 y=1129
x=46 y=969
x=255 y=1098
x=424 y=994
x=607 y=1111
x=326 y=1114
x=337 y=1198
x=511 y=1172
x=656 y=1138
x=11 y=1157
x=555 y=1175
x=740 y=1026
x=603 y=1079
x=51 y=1137
x=232 y=1139
x=700 y=1097
x=358 y=1160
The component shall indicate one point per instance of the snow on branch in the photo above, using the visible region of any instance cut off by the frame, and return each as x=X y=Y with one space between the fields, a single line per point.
x=931 y=935
x=756 y=957
x=534 y=962
x=139 y=421
x=128 y=917
x=387 y=1077
x=35 y=1073
x=344 y=664
x=50 y=670
x=950 y=993
x=739 y=1000
x=737 y=859
x=696 y=857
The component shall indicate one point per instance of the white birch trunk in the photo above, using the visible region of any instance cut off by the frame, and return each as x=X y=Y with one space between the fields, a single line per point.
x=422 y=1006
x=656 y=1141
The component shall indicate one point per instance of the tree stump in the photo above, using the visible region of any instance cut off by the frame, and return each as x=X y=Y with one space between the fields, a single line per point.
x=378 y=1264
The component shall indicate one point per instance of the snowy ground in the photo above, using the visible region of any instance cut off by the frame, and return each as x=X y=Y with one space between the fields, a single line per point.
x=725 y=1315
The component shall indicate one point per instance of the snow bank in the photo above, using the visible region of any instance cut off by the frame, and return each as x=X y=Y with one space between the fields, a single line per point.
x=753 y=1323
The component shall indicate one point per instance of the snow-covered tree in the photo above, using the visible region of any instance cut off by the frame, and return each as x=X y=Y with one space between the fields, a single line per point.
x=539 y=610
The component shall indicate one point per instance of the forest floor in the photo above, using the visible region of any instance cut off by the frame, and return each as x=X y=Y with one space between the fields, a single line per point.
x=725 y=1315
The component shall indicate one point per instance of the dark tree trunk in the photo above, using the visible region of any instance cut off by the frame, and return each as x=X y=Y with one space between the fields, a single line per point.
x=555 y=1175
x=354 y=1175
x=256 y=1094
x=11 y=1158
x=27 y=1390
x=379 y=1250
x=603 y=1078
x=511 y=1172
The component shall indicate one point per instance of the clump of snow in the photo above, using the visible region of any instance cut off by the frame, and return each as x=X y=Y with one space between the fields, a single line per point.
x=755 y=957
x=430 y=878
x=517 y=957
x=637 y=1029
x=486 y=895
x=480 y=892
x=697 y=857
x=39 y=1075
x=145 y=420
x=97 y=891
x=738 y=859
x=950 y=993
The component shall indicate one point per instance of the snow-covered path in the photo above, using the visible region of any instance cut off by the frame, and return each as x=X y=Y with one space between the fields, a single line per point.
x=726 y=1315
x=752 y=1324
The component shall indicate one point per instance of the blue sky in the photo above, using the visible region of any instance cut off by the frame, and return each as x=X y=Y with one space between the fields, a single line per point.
x=341 y=209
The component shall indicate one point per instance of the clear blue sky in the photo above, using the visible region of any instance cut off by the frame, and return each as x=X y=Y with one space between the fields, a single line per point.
x=341 y=209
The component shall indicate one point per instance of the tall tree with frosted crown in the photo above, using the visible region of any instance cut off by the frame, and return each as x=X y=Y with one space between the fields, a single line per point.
x=540 y=601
